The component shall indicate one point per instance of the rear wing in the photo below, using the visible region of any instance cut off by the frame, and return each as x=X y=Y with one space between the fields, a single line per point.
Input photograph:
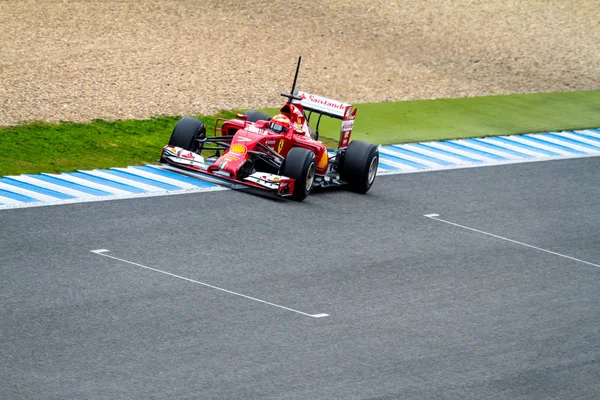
x=330 y=108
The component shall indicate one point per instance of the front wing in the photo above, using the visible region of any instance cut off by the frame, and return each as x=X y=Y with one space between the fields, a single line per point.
x=195 y=164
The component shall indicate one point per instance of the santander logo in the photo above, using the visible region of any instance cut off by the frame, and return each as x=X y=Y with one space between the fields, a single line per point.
x=323 y=101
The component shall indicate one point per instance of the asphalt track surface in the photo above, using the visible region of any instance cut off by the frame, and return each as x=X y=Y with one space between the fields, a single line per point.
x=417 y=308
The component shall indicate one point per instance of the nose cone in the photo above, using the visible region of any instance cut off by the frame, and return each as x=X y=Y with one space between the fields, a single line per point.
x=231 y=161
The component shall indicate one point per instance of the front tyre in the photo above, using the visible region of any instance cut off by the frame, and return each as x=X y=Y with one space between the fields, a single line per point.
x=301 y=166
x=187 y=132
x=359 y=165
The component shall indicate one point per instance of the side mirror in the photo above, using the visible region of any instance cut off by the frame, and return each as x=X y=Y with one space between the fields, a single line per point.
x=242 y=116
x=262 y=124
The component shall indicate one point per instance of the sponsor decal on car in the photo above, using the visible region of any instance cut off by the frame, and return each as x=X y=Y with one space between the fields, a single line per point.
x=187 y=154
x=347 y=125
x=272 y=141
x=324 y=101
x=280 y=145
x=238 y=148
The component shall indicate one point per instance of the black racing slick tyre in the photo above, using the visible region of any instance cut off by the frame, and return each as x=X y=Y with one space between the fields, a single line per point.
x=301 y=166
x=187 y=132
x=254 y=116
x=359 y=165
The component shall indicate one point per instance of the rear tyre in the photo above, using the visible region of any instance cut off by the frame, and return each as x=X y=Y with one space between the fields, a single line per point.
x=300 y=165
x=187 y=132
x=254 y=116
x=358 y=167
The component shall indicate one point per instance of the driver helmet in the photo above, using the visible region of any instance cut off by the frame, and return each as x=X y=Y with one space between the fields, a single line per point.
x=280 y=123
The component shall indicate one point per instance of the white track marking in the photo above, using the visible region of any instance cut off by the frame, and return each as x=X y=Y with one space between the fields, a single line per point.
x=102 y=252
x=590 y=133
x=125 y=181
x=560 y=142
x=51 y=186
x=26 y=192
x=90 y=184
x=480 y=147
x=463 y=152
x=581 y=139
x=436 y=218
x=497 y=142
x=445 y=157
x=540 y=145
x=422 y=161
x=397 y=165
x=10 y=202
x=157 y=177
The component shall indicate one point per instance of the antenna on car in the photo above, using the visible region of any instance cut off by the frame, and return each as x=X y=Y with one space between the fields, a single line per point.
x=291 y=96
x=296 y=75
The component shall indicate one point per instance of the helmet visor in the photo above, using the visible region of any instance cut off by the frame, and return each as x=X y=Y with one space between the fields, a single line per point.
x=277 y=128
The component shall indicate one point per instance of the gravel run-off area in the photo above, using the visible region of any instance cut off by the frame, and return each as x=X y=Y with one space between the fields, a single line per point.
x=88 y=59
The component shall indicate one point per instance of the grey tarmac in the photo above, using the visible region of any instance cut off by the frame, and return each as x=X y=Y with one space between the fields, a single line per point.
x=417 y=308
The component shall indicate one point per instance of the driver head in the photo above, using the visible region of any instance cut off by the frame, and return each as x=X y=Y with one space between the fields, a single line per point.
x=280 y=124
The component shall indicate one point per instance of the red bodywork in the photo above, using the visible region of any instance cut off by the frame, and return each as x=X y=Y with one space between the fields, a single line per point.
x=249 y=134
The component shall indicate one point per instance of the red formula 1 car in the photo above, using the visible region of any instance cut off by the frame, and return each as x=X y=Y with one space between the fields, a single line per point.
x=282 y=154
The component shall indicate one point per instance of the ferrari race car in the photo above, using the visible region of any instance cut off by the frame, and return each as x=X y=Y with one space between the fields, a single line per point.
x=281 y=155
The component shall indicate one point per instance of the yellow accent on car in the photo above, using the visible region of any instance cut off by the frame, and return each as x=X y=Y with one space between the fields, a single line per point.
x=323 y=160
x=238 y=148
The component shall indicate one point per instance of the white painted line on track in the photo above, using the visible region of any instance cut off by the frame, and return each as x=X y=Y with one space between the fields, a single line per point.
x=521 y=139
x=560 y=142
x=390 y=151
x=26 y=192
x=445 y=157
x=51 y=186
x=11 y=202
x=436 y=218
x=130 y=182
x=157 y=177
x=497 y=152
x=522 y=150
x=581 y=139
x=90 y=184
x=398 y=165
x=101 y=252
x=590 y=133
x=462 y=152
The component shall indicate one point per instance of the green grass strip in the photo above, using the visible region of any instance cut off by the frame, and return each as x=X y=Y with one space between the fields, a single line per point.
x=43 y=147
x=427 y=120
